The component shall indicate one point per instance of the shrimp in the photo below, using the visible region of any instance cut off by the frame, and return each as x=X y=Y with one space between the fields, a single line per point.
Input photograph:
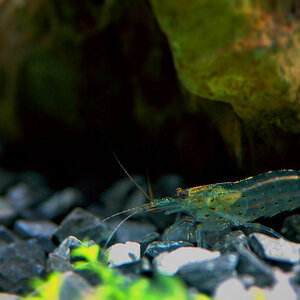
x=221 y=205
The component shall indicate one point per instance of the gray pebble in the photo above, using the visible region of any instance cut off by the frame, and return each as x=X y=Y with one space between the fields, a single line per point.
x=60 y=203
x=22 y=196
x=59 y=259
x=19 y=262
x=291 y=228
x=6 y=235
x=208 y=274
x=31 y=229
x=249 y=264
x=132 y=231
x=73 y=286
x=7 y=212
x=156 y=248
x=113 y=198
x=80 y=223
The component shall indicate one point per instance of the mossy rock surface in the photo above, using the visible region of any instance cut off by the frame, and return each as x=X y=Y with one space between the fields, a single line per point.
x=239 y=53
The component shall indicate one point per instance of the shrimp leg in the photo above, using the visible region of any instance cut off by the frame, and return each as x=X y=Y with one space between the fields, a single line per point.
x=256 y=227
x=207 y=235
x=183 y=229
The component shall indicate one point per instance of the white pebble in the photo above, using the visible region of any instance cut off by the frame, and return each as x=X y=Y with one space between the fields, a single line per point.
x=120 y=254
x=169 y=263
x=232 y=289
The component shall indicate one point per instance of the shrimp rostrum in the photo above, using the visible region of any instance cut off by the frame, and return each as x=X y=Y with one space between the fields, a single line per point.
x=229 y=204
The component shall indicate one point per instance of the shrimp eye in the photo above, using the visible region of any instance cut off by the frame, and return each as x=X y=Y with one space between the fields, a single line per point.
x=182 y=193
x=178 y=190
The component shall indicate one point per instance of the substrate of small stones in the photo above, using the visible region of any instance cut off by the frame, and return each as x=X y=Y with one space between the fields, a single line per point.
x=32 y=244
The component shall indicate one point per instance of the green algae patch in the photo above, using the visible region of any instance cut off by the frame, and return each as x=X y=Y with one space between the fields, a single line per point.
x=113 y=285
x=237 y=52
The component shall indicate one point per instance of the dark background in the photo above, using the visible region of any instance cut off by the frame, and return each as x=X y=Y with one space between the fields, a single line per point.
x=81 y=78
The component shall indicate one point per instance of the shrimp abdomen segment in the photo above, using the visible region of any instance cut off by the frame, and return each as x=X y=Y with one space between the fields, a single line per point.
x=241 y=202
x=268 y=194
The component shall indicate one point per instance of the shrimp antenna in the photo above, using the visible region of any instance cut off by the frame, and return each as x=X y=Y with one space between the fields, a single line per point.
x=125 y=211
x=123 y=168
x=131 y=178
x=149 y=186
x=138 y=209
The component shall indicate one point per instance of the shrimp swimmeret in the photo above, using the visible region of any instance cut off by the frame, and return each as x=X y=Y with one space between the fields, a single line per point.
x=221 y=205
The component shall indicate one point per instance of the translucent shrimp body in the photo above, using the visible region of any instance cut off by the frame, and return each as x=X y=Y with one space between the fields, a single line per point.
x=237 y=203
x=221 y=205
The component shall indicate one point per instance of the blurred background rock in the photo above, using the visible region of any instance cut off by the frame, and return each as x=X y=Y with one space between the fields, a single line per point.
x=205 y=89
